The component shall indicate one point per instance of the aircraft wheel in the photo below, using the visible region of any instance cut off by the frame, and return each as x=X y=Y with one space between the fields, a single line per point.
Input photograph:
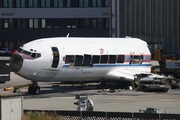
x=36 y=90
x=30 y=89
x=16 y=90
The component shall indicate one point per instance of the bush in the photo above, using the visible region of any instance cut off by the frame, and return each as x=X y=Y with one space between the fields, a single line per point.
x=39 y=116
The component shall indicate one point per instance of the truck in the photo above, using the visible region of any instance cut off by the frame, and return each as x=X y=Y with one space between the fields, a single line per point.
x=163 y=62
x=4 y=69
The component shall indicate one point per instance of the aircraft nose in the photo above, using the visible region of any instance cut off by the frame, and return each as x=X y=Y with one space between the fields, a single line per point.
x=16 y=62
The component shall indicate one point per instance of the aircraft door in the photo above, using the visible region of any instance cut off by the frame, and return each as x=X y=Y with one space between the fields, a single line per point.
x=55 y=61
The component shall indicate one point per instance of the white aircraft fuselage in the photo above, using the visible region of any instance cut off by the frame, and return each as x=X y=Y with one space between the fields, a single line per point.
x=68 y=59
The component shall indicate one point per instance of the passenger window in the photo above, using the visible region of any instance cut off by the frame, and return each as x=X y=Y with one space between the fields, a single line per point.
x=136 y=59
x=96 y=59
x=147 y=58
x=142 y=58
x=87 y=60
x=120 y=59
x=104 y=58
x=112 y=58
x=78 y=60
x=69 y=59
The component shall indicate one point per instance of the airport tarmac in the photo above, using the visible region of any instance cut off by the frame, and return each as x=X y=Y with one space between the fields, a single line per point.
x=54 y=97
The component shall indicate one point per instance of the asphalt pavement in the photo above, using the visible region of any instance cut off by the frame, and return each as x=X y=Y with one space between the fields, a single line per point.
x=62 y=97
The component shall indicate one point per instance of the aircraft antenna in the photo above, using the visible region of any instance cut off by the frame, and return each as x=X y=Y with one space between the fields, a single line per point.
x=67 y=35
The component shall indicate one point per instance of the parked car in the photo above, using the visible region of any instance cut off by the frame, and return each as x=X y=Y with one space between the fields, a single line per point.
x=5 y=51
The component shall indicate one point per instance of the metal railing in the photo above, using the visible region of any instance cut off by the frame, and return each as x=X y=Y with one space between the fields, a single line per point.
x=89 y=115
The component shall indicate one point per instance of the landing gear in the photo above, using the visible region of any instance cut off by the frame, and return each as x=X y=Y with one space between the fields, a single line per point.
x=34 y=88
x=16 y=90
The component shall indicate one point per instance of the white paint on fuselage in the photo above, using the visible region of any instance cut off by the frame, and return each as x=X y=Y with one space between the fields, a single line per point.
x=40 y=69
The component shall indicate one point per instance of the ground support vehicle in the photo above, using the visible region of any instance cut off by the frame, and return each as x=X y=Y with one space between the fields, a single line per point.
x=166 y=63
x=153 y=110
x=4 y=69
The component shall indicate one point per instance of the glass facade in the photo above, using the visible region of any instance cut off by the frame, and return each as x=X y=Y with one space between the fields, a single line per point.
x=152 y=21
x=32 y=3
x=20 y=4
x=20 y=23
x=53 y=3
x=58 y=3
x=56 y=23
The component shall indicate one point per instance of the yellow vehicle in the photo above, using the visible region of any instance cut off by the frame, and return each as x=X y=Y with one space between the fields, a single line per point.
x=163 y=62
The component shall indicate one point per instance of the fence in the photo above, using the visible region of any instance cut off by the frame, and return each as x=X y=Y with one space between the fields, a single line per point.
x=86 y=115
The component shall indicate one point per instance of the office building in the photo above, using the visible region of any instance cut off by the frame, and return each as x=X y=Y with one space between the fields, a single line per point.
x=25 y=20
x=155 y=21
x=151 y=20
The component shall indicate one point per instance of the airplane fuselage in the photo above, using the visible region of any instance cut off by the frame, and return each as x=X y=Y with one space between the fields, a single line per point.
x=81 y=59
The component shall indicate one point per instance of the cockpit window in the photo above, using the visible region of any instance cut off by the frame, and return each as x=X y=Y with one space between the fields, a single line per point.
x=26 y=52
x=33 y=55
x=19 y=50
x=38 y=55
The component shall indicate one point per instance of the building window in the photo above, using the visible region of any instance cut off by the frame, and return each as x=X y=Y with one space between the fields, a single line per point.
x=58 y=3
x=45 y=23
x=106 y=23
x=97 y=22
x=32 y=3
x=20 y=23
x=93 y=22
x=99 y=3
x=20 y=3
x=0 y=23
x=58 y=23
x=96 y=3
x=45 y=3
x=83 y=3
x=106 y=3
x=71 y=3
x=84 y=23
x=33 y=23
x=8 y=23
x=70 y=23
x=68 y=3
x=30 y=23
x=7 y=3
